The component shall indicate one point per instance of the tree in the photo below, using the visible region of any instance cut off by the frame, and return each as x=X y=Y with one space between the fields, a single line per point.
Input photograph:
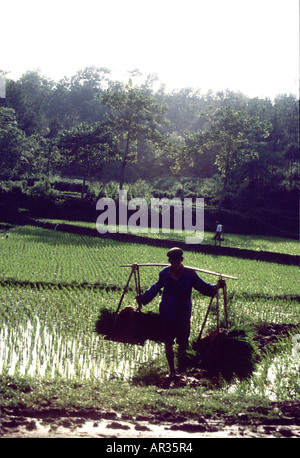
x=87 y=145
x=83 y=87
x=12 y=140
x=46 y=155
x=133 y=115
x=233 y=137
x=183 y=105
x=29 y=97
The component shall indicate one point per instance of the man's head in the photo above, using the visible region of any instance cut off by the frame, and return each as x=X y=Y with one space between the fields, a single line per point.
x=175 y=256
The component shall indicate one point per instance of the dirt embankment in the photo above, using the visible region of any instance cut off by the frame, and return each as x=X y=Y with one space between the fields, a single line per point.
x=93 y=423
x=280 y=258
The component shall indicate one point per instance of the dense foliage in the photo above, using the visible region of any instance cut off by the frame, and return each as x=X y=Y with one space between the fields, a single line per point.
x=239 y=153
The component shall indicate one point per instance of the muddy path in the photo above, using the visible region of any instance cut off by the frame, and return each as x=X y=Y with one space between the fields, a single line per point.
x=93 y=423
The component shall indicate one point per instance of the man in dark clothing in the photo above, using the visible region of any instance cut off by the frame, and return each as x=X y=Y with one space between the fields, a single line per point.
x=175 y=307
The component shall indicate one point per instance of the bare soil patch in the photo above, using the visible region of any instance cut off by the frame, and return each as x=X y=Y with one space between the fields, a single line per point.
x=93 y=423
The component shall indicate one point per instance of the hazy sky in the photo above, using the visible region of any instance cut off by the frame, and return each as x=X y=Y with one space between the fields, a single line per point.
x=246 y=45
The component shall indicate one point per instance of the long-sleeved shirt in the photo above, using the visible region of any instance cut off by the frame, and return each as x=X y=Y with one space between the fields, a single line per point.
x=176 y=301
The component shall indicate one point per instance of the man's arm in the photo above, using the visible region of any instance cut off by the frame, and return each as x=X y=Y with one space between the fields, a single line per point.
x=149 y=295
x=204 y=288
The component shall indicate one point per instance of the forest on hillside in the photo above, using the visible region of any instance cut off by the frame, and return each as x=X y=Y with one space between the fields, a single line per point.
x=241 y=154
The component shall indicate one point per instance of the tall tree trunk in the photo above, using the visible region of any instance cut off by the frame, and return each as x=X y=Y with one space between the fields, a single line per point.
x=85 y=177
x=122 y=174
x=126 y=154
x=222 y=193
x=224 y=182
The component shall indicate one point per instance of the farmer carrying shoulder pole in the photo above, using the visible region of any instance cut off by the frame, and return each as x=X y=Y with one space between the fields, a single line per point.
x=218 y=234
x=176 y=306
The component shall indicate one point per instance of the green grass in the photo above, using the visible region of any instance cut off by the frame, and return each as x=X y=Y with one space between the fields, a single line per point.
x=33 y=255
x=129 y=399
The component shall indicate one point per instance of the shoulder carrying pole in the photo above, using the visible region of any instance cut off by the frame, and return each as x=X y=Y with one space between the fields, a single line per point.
x=133 y=267
x=136 y=272
x=218 y=274
x=217 y=304
x=205 y=318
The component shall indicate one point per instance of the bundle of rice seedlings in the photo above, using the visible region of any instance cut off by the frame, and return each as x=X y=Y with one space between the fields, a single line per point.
x=104 y=324
x=129 y=326
x=221 y=352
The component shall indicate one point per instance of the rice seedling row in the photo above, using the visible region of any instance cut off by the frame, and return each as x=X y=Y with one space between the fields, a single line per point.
x=33 y=255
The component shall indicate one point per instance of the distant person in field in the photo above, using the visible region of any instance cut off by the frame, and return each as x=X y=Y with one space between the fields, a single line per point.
x=218 y=234
x=175 y=307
